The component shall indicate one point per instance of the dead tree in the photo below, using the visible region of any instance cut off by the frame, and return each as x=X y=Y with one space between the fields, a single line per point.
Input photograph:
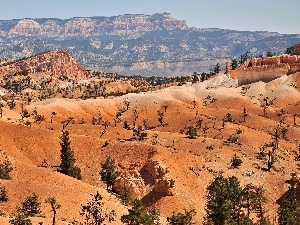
x=135 y=116
x=66 y=123
x=105 y=124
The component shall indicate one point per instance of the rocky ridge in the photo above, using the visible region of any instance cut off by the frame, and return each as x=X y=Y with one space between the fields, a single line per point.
x=55 y=63
x=149 y=45
x=90 y=26
x=266 y=69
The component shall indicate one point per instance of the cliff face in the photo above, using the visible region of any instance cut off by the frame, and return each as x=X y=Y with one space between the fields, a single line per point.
x=258 y=69
x=149 y=45
x=118 y=25
x=58 y=63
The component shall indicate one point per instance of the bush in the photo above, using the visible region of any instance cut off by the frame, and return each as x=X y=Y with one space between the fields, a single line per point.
x=94 y=212
x=5 y=169
x=236 y=162
x=20 y=220
x=210 y=147
x=3 y=195
x=30 y=206
x=137 y=215
x=124 y=195
x=228 y=118
x=182 y=219
x=192 y=132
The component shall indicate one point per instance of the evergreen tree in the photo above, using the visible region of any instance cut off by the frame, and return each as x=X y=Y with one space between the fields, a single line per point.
x=155 y=214
x=244 y=57
x=289 y=50
x=230 y=204
x=289 y=210
x=182 y=219
x=67 y=165
x=192 y=132
x=223 y=201
x=20 y=220
x=216 y=69
x=30 y=206
x=234 y=64
x=137 y=215
x=3 y=195
x=108 y=174
x=124 y=195
x=94 y=212
x=236 y=161
x=270 y=54
x=5 y=169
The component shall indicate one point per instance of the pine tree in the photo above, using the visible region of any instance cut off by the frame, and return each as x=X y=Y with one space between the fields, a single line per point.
x=5 y=169
x=30 y=206
x=108 y=174
x=289 y=210
x=94 y=212
x=234 y=64
x=182 y=219
x=3 y=194
x=20 y=220
x=67 y=165
x=229 y=203
x=223 y=198
x=216 y=69
x=137 y=215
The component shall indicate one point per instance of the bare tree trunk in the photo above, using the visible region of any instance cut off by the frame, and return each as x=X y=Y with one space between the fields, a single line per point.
x=54 y=217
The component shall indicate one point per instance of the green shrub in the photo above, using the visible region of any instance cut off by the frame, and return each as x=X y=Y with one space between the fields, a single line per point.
x=3 y=195
x=236 y=162
x=20 y=220
x=30 y=206
x=5 y=169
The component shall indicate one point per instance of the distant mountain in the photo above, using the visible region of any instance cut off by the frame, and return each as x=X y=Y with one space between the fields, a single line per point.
x=157 y=44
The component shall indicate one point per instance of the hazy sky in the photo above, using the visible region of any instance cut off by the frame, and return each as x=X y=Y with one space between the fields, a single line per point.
x=282 y=16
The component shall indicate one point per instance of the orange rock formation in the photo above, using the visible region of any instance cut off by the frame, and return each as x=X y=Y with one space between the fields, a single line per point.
x=266 y=69
x=56 y=62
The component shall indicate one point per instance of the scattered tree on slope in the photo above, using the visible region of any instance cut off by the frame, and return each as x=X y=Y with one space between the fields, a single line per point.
x=182 y=219
x=229 y=203
x=108 y=173
x=289 y=210
x=94 y=212
x=54 y=207
x=67 y=165
x=137 y=215
x=30 y=206
x=5 y=169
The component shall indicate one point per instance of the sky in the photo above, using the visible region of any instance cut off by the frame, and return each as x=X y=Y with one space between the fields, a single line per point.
x=281 y=16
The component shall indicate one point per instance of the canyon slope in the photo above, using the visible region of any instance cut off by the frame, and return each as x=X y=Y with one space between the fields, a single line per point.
x=166 y=167
x=136 y=44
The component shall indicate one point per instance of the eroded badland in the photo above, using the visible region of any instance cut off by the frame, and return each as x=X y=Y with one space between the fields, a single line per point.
x=165 y=167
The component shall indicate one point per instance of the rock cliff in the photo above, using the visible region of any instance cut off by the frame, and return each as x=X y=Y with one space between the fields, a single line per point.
x=136 y=44
x=91 y=26
x=141 y=179
x=265 y=69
